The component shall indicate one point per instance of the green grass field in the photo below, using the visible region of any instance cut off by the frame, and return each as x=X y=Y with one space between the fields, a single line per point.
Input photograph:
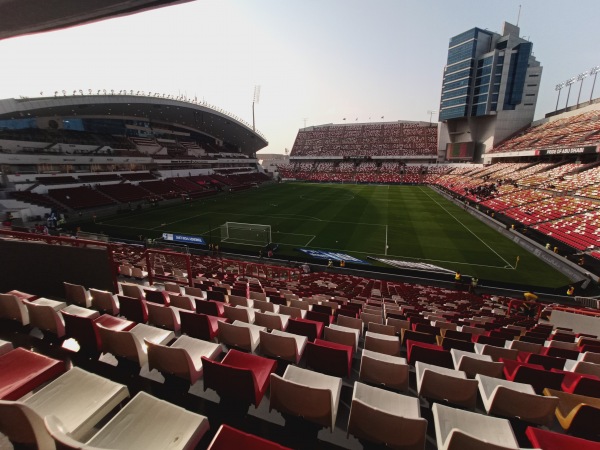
x=411 y=223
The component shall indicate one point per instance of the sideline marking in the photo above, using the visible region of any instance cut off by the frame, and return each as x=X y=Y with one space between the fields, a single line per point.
x=469 y=230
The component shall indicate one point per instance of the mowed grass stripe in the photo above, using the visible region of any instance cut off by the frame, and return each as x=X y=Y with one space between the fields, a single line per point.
x=421 y=225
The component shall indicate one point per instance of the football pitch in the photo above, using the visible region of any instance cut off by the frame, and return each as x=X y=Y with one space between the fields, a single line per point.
x=408 y=223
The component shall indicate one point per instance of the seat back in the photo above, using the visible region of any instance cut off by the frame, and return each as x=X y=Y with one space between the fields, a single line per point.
x=381 y=372
x=236 y=300
x=282 y=347
x=133 y=308
x=196 y=325
x=83 y=330
x=312 y=404
x=350 y=322
x=233 y=313
x=233 y=383
x=388 y=347
x=24 y=426
x=234 y=336
x=265 y=306
x=75 y=293
x=382 y=329
x=209 y=307
x=132 y=290
x=269 y=321
x=105 y=302
x=11 y=307
x=194 y=291
x=290 y=311
x=172 y=287
x=163 y=317
x=171 y=360
x=379 y=426
x=122 y=344
x=182 y=302
x=157 y=297
x=45 y=318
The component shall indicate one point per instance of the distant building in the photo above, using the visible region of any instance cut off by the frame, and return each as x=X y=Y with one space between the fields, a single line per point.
x=489 y=92
x=270 y=161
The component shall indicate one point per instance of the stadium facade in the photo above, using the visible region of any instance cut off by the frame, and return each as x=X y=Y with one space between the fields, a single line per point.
x=489 y=91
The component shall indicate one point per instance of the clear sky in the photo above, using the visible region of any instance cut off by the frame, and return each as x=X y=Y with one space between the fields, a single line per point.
x=316 y=61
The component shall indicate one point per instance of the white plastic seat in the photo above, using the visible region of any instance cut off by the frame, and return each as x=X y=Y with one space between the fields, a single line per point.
x=456 y=429
x=381 y=369
x=105 y=301
x=342 y=335
x=386 y=417
x=265 y=306
x=270 y=320
x=474 y=363
x=279 y=344
x=242 y=335
x=77 y=294
x=146 y=422
x=79 y=398
x=163 y=316
x=241 y=313
x=382 y=343
x=182 y=358
x=515 y=400
x=440 y=383
x=13 y=308
x=46 y=317
x=132 y=290
x=304 y=393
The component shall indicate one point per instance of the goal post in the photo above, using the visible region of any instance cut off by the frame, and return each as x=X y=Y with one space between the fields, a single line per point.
x=246 y=233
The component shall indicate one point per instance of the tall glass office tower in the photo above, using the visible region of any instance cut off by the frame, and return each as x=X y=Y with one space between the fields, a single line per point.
x=490 y=88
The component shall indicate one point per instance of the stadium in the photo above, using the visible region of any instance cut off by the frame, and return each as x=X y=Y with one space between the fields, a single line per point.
x=388 y=284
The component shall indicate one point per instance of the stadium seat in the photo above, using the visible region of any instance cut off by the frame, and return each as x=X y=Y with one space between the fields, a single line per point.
x=304 y=327
x=384 y=370
x=311 y=395
x=240 y=335
x=281 y=345
x=474 y=363
x=77 y=294
x=456 y=429
x=239 y=377
x=342 y=335
x=200 y=326
x=210 y=307
x=228 y=438
x=385 y=417
x=13 y=308
x=145 y=422
x=271 y=321
x=133 y=308
x=577 y=414
x=44 y=314
x=79 y=398
x=532 y=374
x=329 y=357
x=382 y=343
x=162 y=316
x=22 y=370
x=449 y=385
x=549 y=440
x=428 y=353
x=183 y=358
x=515 y=400
x=105 y=302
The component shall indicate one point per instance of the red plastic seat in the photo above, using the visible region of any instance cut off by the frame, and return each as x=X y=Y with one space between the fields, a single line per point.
x=85 y=330
x=310 y=328
x=22 y=370
x=241 y=377
x=580 y=384
x=547 y=362
x=200 y=326
x=210 y=308
x=549 y=440
x=328 y=357
x=133 y=309
x=228 y=438
x=326 y=319
x=429 y=354
x=532 y=374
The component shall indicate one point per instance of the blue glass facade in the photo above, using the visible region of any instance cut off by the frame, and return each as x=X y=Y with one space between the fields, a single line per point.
x=517 y=75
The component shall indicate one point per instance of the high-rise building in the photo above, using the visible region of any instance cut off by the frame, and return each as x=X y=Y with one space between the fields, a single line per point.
x=489 y=92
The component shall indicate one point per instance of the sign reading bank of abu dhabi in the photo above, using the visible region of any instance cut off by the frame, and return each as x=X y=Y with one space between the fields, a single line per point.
x=334 y=256
x=183 y=238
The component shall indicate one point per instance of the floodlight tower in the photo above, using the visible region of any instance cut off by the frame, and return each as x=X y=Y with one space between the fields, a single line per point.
x=431 y=113
x=569 y=83
x=255 y=99
x=580 y=78
x=594 y=71
x=558 y=88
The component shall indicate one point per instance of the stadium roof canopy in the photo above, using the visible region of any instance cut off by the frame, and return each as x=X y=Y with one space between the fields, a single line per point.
x=19 y=17
x=193 y=116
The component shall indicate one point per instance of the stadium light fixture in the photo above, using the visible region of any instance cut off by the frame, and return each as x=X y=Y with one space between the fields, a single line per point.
x=569 y=83
x=558 y=88
x=582 y=76
x=255 y=99
x=594 y=71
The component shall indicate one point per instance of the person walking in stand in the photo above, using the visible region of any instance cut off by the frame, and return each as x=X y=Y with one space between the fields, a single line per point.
x=458 y=280
x=473 y=287
x=571 y=291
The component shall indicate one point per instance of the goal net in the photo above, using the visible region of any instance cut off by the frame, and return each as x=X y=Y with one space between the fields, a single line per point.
x=246 y=233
